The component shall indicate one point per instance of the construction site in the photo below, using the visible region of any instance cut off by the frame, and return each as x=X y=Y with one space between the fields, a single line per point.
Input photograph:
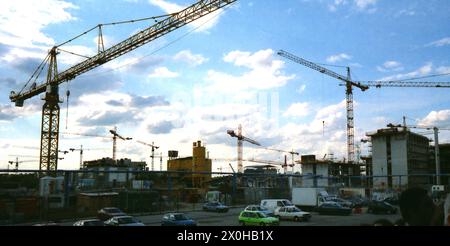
x=149 y=170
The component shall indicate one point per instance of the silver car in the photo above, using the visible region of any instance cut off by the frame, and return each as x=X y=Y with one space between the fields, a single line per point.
x=123 y=221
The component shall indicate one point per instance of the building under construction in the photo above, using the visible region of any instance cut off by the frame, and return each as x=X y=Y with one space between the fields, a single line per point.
x=198 y=162
x=103 y=171
x=328 y=173
x=400 y=155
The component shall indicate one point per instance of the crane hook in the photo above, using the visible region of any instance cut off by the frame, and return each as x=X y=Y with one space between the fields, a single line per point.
x=67 y=109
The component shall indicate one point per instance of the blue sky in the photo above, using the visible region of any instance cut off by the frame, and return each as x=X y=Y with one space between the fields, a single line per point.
x=223 y=70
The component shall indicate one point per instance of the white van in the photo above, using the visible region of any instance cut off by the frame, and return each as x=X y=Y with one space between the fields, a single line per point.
x=272 y=204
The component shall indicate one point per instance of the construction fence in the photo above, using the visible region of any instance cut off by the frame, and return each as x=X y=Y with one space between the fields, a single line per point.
x=31 y=196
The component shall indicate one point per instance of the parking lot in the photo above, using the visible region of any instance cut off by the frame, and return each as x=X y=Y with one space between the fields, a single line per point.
x=231 y=219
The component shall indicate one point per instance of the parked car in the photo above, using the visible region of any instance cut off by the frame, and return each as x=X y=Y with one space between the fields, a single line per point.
x=177 y=219
x=333 y=208
x=342 y=202
x=108 y=213
x=215 y=207
x=381 y=207
x=123 y=221
x=92 y=222
x=272 y=204
x=358 y=202
x=256 y=218
x=391 y=200
x=259 y=209
x=292 y=213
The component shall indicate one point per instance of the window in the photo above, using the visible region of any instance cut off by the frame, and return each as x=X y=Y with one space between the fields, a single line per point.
x=180 y=217
x=261 y=215
x=126 y=220
x=280 y=204
x=287 y=203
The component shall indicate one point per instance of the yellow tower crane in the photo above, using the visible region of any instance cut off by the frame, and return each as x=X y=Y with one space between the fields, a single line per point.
x=50 y=109
x=363 y=85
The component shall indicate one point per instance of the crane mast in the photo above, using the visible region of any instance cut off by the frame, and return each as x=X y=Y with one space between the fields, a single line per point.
x=349 y=96
x=51 y=110
x=363 y=85
x=153 y=153
x=240 y=144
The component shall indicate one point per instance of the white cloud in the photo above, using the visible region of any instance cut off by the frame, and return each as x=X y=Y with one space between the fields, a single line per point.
x=200 y=25
x=405 y=12
x=380 y=120
x=332 y=110
x=108 y=41
x=390 y=66
x=192 y=59
x=22 y=22
x=163 y=72
x=301 y=89
x=443 y=69
x=259 y=59
x=435 y=118
x=297 y=110
x=325 y=134
x=359 y=5
x=440 y=42
x=424 y=70
x=338 y=57
x=8 y=112
x=167 y=6
x=355 y=64
x=363 y=4
x=265 y=72
x=71 y=59
x=336 y=3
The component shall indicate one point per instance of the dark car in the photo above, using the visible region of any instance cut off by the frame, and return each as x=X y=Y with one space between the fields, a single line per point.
x=381 y=207
x=215 y=207
x=358 y=202
x=108 y=213
x=333 y=208
x=92 y=222
x=391 y=200
x=177 y=219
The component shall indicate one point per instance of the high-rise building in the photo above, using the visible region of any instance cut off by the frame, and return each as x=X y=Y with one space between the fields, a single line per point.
x=401 y=157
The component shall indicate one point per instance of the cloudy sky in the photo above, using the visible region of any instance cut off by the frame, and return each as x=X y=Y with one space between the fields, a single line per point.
x=222 y=71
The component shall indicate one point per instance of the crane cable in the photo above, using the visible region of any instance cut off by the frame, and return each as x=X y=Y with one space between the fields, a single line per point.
x=423 y=77
x=154 y=51
x=40 y=67
x=113 y=23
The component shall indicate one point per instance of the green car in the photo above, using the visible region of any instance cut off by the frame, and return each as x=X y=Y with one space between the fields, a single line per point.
x=256 y=218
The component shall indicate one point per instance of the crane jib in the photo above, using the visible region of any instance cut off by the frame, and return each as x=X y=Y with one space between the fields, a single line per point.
x=171 y=23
